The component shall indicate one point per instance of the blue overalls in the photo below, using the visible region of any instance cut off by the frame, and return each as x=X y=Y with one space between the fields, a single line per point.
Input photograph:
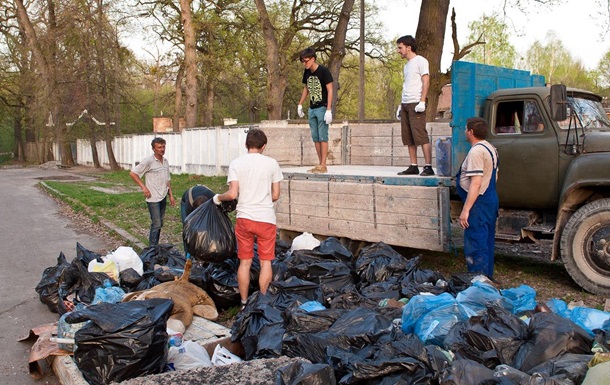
x=479 y=237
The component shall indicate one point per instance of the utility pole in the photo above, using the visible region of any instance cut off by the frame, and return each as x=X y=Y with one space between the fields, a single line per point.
x=361 y=70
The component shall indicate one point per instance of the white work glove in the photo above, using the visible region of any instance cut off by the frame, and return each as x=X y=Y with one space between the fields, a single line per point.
x=398 y=111
x=420 y=107
x=300 y=111
x=216 y=200
x=328 y=117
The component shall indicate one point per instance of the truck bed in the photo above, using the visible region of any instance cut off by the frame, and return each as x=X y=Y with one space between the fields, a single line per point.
x=368 y=203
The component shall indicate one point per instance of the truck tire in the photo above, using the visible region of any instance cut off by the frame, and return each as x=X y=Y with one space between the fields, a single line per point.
x=585 y=247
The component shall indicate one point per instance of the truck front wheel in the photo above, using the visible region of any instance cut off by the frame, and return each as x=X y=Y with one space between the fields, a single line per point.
x=585 y=247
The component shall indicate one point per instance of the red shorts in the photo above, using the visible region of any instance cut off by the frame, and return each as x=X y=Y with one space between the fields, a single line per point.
x=246 y=230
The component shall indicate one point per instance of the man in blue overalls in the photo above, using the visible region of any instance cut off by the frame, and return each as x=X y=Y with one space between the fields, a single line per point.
x=476 y=185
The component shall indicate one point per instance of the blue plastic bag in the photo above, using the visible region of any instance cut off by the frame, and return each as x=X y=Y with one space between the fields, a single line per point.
x=480 y=295
x=312 y=306
x=523 y=298
x=590 y=319
x=108 y=293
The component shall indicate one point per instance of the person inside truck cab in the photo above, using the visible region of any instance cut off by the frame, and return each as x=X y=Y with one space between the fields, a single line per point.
x=476 y=185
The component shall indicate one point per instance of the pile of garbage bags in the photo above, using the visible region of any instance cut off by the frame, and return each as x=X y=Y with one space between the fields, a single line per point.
x=374 y=318
x=348 y=312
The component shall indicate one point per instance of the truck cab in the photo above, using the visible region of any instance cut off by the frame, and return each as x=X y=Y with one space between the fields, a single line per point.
x=554 y=164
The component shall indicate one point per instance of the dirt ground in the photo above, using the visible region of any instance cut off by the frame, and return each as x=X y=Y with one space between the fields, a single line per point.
x=516 y=263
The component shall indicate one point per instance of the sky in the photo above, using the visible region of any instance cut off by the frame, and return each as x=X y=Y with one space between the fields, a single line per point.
x=578 y=23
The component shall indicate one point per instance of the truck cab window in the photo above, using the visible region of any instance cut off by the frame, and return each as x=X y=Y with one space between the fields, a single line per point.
x=509 y=118
x=533 y=119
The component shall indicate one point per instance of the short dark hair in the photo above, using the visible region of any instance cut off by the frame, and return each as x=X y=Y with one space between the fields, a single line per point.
x=307 y=53
x=478 y=126
x=157 y=140
x=255 y=138
x=408 y=41
x=199 y=201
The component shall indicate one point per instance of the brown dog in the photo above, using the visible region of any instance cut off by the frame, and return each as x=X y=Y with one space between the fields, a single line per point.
x=189 y=300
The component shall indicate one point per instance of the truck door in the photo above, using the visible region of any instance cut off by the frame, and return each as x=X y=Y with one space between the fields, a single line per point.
x=529 y=154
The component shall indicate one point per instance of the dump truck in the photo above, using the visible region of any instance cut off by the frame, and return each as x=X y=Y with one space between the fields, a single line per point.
x=554 y=175
x=554 y=172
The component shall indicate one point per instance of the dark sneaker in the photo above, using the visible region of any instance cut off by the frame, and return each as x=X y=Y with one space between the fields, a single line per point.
x=411 y=170
x=428 y=171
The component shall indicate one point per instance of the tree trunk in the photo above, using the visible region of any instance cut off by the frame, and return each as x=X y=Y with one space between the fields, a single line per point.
x=190 y=63
x=208 y=111
x=276 y=82
x=430 y=37
x=338 y=47
x=101 y=60
x=18 y=145
x=178 y=99
x=93 y=143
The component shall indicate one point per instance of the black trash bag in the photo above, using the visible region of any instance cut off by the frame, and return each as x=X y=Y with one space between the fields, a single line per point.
x=130 y=279
x=168 y=274
x=122 y=341
x=490 y=339
x=163 y=254
x=601 y=341
x=259 y=322
x=411 y=289
x=294 y=291
x=359 y=327
x=208 y=234
x=567 y=368
x=378 y=262
x=333 y=248
x=301 y=321
x=75 y=281
x=461 y=281
x=330 y=273
x=350 y=299
x=467 y=372
x=228 y=206
x=400 y=354
x=304 y=373
x=201 y=275
x=223 y=284
x=381 y=290
x=85 y=256
x=48 y=286
x=415 y=275
x=148 y=281
x=549 y=336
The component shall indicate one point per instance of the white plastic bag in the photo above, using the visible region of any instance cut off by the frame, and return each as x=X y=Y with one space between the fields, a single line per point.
x=187 y=356
x=222 y=356
x=126 y=258
x=305 y=241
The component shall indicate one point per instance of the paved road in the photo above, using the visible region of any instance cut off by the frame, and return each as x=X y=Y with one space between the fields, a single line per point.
x=32 y=234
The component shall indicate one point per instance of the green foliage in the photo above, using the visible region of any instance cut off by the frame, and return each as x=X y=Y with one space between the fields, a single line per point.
x=496 y=49
x=551 y=59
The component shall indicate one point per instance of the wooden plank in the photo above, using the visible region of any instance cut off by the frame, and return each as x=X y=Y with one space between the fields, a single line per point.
x=309 y=210
x=350 y=188
x=344 y=201
x=413 y=192
x=66 y=371
x=308 y=198
x=340 y=213
x=408 y=221
x=308 y=185
x=371 y=141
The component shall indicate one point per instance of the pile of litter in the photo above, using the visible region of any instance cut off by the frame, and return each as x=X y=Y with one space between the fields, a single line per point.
x=374 y=318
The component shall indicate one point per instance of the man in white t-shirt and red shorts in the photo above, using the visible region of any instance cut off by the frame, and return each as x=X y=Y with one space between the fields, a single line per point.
x=255 y=179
